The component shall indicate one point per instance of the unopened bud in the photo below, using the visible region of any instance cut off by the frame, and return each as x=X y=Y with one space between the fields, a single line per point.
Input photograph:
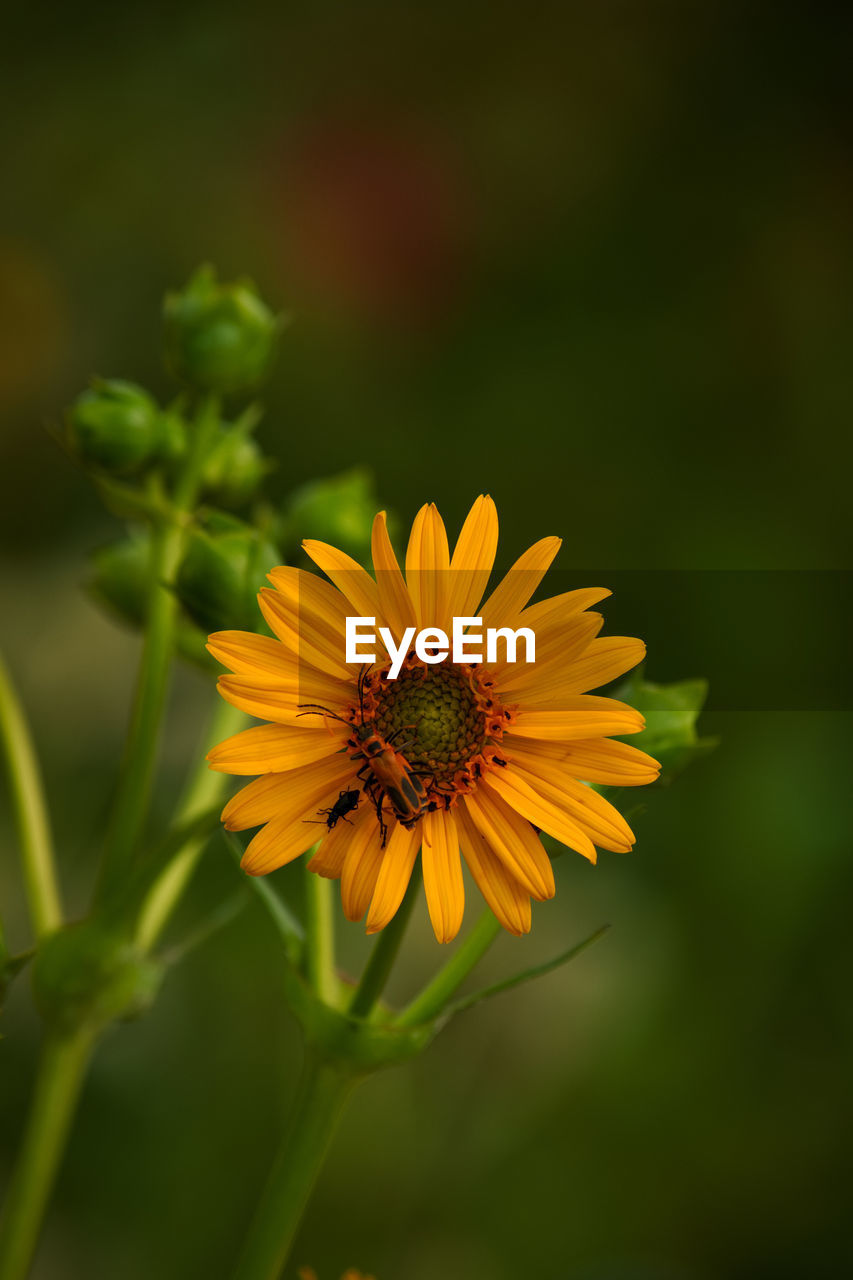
x=121 y=576
x=222 y=571
x=219 y=337
x=338 y=509
x=121 y=582
x=114 y=425
x=234 y=469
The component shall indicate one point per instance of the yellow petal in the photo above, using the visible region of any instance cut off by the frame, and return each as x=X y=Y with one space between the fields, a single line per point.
x=604 y=825
x=506 y=897
x=603 y=760
x=351 y=578
x=428 y=567
x=245 y=653
x=309 y=618
x=277 y=843
x=582 y=716
x=548 y=687
x=473 y=559
x=556 y=650
x=272 y=748
x=512 y=594
x=329 y=859
x=394 y=599
x=284 y=701
x=362 y=863
x=513 y=840
x=604 y=660
x=536 y=808
x=445 y=892
x=556 y=610
x=288 y=795
x=394 y=875
x=328 y=863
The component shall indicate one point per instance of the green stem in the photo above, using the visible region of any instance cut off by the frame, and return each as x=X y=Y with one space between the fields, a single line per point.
x=320 y=1100
x=63 y=1067
x=137 y=771
x=320 y=938
x=378 y=968
x=205 y=789
x=451 y=975
x=31 y=814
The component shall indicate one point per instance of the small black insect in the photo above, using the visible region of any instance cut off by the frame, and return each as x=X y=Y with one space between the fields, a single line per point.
x=346 y=802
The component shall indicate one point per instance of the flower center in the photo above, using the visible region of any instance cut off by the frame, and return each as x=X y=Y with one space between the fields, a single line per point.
x=443 y=719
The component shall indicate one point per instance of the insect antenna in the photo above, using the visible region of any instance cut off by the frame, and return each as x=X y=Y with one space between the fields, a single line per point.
x=362 y=677
x=313 y=708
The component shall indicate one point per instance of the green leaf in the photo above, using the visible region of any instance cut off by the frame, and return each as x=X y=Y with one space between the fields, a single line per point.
x=671 y=712
x=356 y=1045
x=527 y=975
x=289 y=928
x=217 y=919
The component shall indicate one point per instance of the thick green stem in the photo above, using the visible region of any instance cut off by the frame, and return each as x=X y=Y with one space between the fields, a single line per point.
x=63 y=1067
x=137 y=771
x=450 y=976
x=319 y=1103
x=378 y=968
x=204 y=790
x=320 y=938
x=31 y=814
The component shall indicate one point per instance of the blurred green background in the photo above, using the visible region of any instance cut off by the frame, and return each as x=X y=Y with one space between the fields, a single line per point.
x=597 y=261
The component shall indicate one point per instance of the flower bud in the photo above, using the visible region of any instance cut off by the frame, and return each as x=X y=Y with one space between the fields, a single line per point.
x=219 y=337
x=338 y=509
x=88 y=974
x=120 y=578
x=234 y=469
x=223 y=569
x=114 y=425
x=121 y=581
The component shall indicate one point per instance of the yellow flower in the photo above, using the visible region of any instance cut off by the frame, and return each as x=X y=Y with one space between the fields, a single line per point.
x=494 y=752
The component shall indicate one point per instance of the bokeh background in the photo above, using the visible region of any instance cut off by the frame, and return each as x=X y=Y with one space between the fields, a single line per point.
x=597 y=261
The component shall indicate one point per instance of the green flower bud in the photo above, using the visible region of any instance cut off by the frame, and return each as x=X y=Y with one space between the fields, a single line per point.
x=222 y=571
x=120 y=582
x=86 y=974
x=120 y=578
x=234 y=469
x=114 y=425
x=338 y=509
x=219 y=337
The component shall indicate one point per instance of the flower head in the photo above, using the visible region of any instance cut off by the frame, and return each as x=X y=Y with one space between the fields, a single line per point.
x=455 y=760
